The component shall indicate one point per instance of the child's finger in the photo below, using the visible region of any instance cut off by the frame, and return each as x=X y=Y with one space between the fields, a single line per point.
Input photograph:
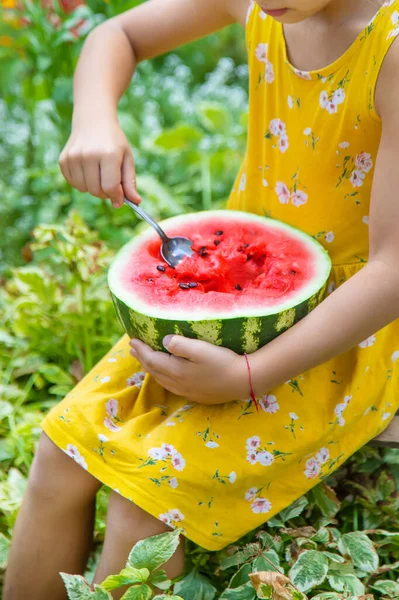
x=129 y=184
x=76 y=171
x=93 y=178
x=110 y=168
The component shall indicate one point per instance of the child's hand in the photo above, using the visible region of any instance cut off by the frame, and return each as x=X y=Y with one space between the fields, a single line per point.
x=98 y=159
x=196 y=370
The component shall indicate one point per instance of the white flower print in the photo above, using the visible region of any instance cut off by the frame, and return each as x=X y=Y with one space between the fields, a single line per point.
x=242 y=182
x=344 y=145
x=388 y=3
x=299 y=198
x=386 y=416
x=103 y=438
x=172 y=517
x=232 y=477
x=178 y=462
x=137 y=379
x=111 y=425
x=265 y=183
x=290 y=102
x=283 y=143
x=261 y=505
x=276 y=126
x=364 y=162
x=312 y=468
x=357 y=178
x=112 y=360
x=395 y=356
x=252 y=458
x=261 y=52
x=338 y=96
x=293 y=416
x=340 y=408
x=105 y=379
x=283 y=192
x=323 y=455
x=332 y=108
x=250 y=494
x=269 y=404
x=262 y=15
x=170 y=424
x=330 y=237
x=253 y=443
x=395 y=18
x=157 y=453
x=212 y=444
x=269 y=72
x=323 y=99
x=111 y=407
x=307 y=131
x=74 y=453
x=365 y=220
x=369 y=342
x=250 y=9
x=265 y=458
x=173 y=482
x=331 y=288
x=302 y=74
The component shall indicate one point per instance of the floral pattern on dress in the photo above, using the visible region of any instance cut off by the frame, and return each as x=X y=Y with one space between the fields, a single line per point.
x=74 y=453
x=136 y=380
x=277 y=128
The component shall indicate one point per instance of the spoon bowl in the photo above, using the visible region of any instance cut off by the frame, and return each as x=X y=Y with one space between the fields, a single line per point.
x=173 y=250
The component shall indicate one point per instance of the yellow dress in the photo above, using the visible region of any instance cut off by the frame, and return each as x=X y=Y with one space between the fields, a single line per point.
x=220 y=471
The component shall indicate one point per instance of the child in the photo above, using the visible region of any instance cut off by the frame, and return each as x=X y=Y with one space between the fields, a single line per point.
x=323 y=143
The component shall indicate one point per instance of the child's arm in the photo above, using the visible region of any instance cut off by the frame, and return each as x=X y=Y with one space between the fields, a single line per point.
x=97 y=157
x=359 y=308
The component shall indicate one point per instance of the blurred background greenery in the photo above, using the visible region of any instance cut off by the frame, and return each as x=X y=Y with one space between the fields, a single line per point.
x=185 y=117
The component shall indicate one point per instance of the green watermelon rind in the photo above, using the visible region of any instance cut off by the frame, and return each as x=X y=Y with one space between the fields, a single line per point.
x=238 y=332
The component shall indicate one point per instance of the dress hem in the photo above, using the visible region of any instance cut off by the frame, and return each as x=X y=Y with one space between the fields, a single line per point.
x=142 y=499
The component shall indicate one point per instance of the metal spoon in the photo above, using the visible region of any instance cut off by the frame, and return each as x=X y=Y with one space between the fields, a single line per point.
x=173 y=250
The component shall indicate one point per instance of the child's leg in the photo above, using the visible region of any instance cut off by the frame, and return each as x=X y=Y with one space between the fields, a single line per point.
x=54 y=527
x=126 y=525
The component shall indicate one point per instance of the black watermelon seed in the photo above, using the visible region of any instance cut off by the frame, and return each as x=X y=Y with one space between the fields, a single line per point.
x=184 y=286
x=193 y=284
x=161 y=268
x=249 y=256
x=216 y=242
x=246 y=245
x=238 y=287
x=218 y=232
x=293 y=272
x=202 y=251
x=150 y=279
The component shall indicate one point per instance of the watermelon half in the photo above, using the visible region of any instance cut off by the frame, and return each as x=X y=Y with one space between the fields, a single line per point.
x=249 y=279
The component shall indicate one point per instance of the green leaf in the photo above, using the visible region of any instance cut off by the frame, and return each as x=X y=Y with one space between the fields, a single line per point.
x=345 y=582
x=77 y=587
x=241 y=576
x=334 y=557
x=262 y=564
x=195 y=585
x=167 y=598
x=294 y=510
x=154 y=551
x=128 y=576
x=100 y=593
x=248 y=553
x=180 y=137
x=244 y=592
x=361 y=549
x=325 y=498
x=309 y=570
x=138 y=592
x=4 y=549
x=160 y=579
x=213 y=115
x=328 y=596
x=6 y=409
x=387 y=587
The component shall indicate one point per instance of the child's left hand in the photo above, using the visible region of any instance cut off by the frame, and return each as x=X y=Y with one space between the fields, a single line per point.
x=197 y=370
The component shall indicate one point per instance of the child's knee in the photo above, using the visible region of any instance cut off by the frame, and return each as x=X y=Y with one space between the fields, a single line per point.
x=54 y=476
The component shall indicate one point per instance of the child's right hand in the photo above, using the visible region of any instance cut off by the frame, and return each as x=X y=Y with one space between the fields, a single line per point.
x=98 y=159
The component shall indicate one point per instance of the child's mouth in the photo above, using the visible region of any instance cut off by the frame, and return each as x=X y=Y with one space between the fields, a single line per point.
x=277 y=12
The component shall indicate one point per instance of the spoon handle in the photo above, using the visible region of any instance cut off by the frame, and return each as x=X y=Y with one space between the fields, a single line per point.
x=147 y=218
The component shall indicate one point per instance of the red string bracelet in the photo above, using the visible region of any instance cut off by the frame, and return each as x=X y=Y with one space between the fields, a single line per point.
x=251 y=389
